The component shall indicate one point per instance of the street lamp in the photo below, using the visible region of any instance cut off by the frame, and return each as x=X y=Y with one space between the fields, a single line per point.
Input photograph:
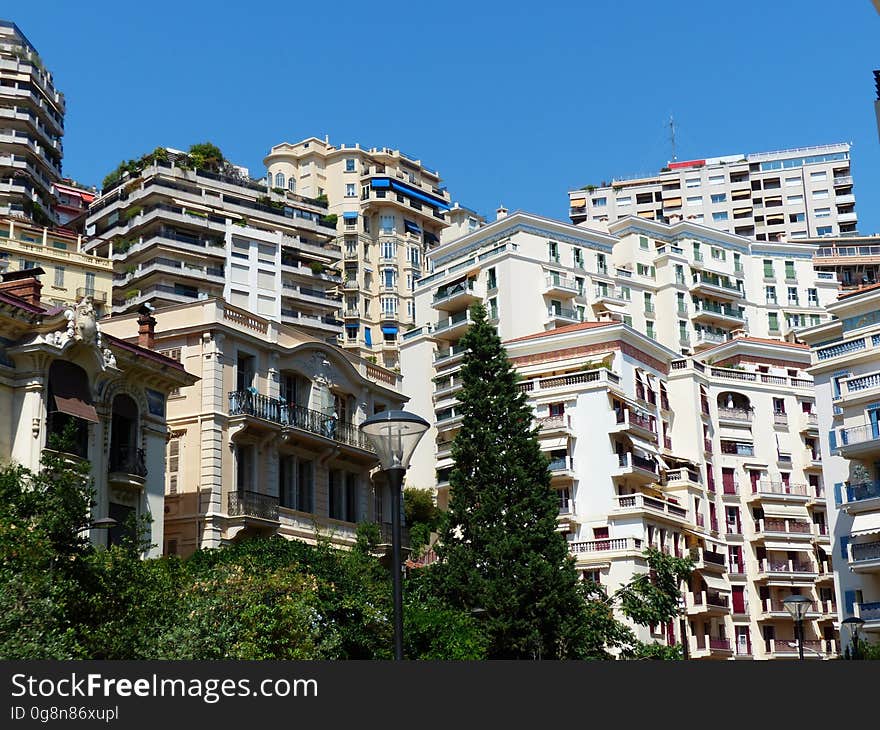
x=852 y=625
x=395 y=435
x=798 y=606
x=102 y=523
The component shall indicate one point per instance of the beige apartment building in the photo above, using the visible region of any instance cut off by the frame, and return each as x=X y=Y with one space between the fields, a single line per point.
x=846 y=369
x=391 y=209
x=178 y=235
x=675 y=332
x=768 y=196
x=31 y=127
x=58 y=368
x=70 y=273
x=854 y=260
x=267 y=440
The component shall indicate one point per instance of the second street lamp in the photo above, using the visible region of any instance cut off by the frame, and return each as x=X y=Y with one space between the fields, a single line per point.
x=852 y=625
x=395 y=435
x=798 y=606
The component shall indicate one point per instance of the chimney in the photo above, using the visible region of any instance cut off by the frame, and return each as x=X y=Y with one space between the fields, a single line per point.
x=24 y=284
x=501 y=212
x=146 y=328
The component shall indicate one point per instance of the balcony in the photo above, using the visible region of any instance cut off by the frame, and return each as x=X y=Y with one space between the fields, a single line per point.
x=715 y=313
x=770 y=527
x=794 y=492
x=266 y=412
x=707 y=560
x=651 y=506
x=253 y=505
x=707 y=602
x=639 y=424
x=860 y=388
x=716 y=286
x=703 y=646
x=609 y=295
x=449 y=355
x=561 y=468
x=862 y=497
x=455 y=296
x=636 y=469
x=737 y=448
x=787 y=571
x=870 y=614
x=864 y=557
x=682 y=476
x=550 y=425
x=97 y=296
x=704 y=339
x=446 y=386
x=738 y=415
x=453 y=326
x=601 y=551
x=859 y=441
x=127 y=469
x=813 y=648
x=563 y=286
x=559 y=316
x=809 y=422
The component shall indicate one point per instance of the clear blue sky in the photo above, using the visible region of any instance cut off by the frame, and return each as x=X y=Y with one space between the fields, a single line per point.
x=513 y=102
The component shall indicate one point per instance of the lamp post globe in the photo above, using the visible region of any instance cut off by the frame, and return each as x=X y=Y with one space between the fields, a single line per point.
x=395 y=435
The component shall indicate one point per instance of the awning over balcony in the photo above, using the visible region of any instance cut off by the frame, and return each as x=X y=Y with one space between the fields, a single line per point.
x=795 y=546
x=411 y=227
x=431 y=238
x=737 y=434
x=648 y=450
x=791 y=511
x=380 y=183
x=389 y=330
x=865 y=524
x=714 y=582
x=70 y=390
x=578 y=203
x=350 y=215
x=560 y=442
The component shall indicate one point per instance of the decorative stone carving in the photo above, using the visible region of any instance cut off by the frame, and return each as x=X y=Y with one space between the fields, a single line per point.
x=85 y=322
x=109 y=358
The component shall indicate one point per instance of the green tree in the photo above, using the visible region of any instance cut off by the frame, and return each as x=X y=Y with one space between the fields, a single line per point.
x=422 y=516
x=206 y=156
x=499 y=549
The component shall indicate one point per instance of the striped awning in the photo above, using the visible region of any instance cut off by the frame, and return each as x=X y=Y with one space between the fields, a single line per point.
x=865 y=524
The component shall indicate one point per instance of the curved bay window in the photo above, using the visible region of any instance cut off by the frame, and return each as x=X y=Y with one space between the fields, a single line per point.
x=125 y=456
x=69 y=409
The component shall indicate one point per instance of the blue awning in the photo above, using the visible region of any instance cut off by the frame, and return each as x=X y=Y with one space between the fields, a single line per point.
x=368 y=337
x=413 y=193
x=350 y=215
x=431 y=238
x=380 y=182
x=389 y=330
x=351 y=325
x=411 y=227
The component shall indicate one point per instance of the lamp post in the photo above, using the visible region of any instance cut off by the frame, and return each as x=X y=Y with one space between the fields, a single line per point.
x=852 y=625
x=682 y=623
x=395 y=435
x=798 y=606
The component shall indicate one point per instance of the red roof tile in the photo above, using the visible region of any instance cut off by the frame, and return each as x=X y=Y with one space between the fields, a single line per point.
x=860 y=290
x=563 y=330
x=763 y=341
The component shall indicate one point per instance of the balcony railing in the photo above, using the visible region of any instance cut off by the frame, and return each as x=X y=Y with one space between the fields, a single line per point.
x=630 y=459
x=562 y=463
x=643 y=501
x=735 y=414
x=768 y=565
x=129 y=463
x=864 y=551
x=683 y=475
x=767 y=487
x=245 y=403
x=775 y=524
x=710 y=598
x=448 y=292
x=606 y=545
x=864 y=490
x=563 y=313
x=869 y=611
x=737 y=448
x=253 y=504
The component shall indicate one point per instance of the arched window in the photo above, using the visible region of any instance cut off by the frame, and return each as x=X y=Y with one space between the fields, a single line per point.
x=125 y=456
x=291 y=184
x=69 y=407
x=279 y=180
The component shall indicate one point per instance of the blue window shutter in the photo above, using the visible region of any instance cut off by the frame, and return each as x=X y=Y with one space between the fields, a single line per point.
x=838 y=494
x=844 y=542
x=849 y=601
x=832 y=440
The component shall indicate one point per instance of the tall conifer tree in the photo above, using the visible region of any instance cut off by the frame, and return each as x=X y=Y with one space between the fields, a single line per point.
x=500 y=552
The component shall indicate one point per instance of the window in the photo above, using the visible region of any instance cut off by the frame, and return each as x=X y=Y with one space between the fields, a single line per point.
x=643 y=243
x=601 y=265
x=600 y=202
x=389 y=306
x=577 y=255
x=59 y=276
x=793 y=199
x=409 y=282
x=716 y=179
x=682 y=330
x=244 y=372
x=280 y=180
x=649 y=329
x=773 y=321
x=822 y=212
x=415 y=256
x=553 y=251
x=770 y=292
x=792 y=182
x=645 y=270
x=813 y=297
x=768 y=269
x=349 y=164
x=389 y=277
x=692 y=182
x=491 y=280
x=244 y=468
x=792 y=295
x=350 y=190
x=493 y=308
x=557 y=409
x=789 y=270
x=719 y=216
x=628 y=320
x=694 y=200
x=386 y=224
x=719 y=254
x=719 y=198
x=824 y=231
x=172 y=465
x=410 y=309
x=291 y=184
x=305 y=486
x=820 y=194
x=819 y=176
x=649 y=304
x=624 y=201
x=625 y=293
x=389 y=250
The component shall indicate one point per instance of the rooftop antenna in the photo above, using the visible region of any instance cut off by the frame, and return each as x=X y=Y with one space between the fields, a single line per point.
x=672 y=136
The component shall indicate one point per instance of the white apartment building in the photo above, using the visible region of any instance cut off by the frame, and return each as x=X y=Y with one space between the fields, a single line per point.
x=769 y=196
x=31 y=127
x=178 y=235
x=267 y=441
x=626 y=305
x=846 y=369
x=391 y=209
x=854 y=260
